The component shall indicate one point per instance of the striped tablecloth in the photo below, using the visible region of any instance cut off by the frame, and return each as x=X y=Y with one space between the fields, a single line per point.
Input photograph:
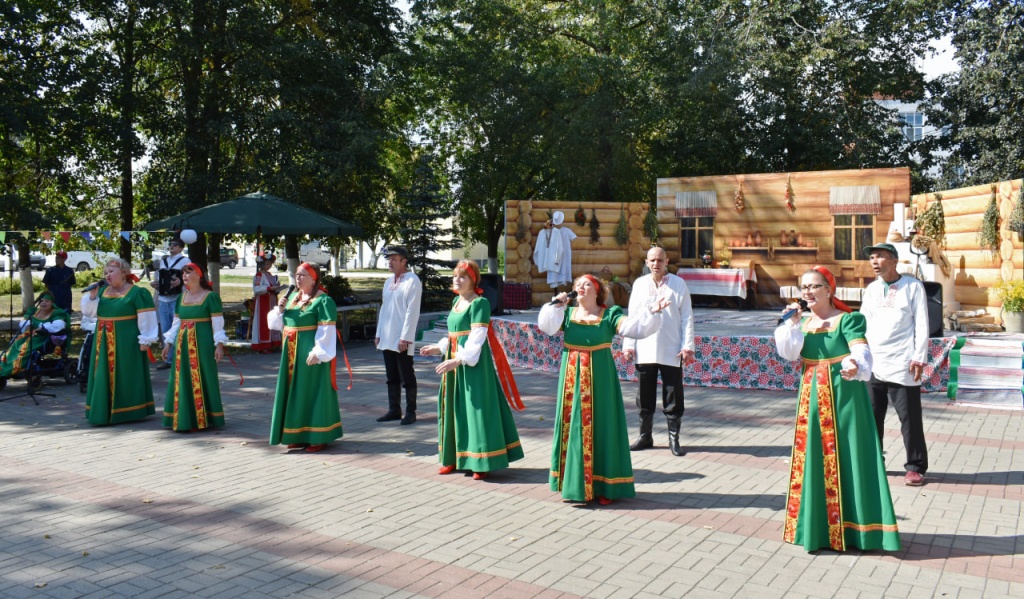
x=718 y=281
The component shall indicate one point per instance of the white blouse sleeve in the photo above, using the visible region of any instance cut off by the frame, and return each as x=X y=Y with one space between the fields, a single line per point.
x=219 y=336
x=860 y=354
x=23 y=326
x=275 y=319
x=442 y=345
x=326 y=343
x=550 y=318
x=172 y=333
x=260 y=285
x=149 y=328
x=53 y=327
x=642 y=324
x=469 y=354
x=789 y=340
x=89 y=306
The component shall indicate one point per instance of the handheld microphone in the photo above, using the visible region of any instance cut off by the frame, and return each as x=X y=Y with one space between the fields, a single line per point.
x=789 y=313
x=97 y=284
x=568 y=298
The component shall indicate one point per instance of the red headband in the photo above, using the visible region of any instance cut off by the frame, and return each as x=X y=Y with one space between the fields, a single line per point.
x=831 y=280
x=474 y=276
x=194 y=267
x=306 y=266
x=600 y=288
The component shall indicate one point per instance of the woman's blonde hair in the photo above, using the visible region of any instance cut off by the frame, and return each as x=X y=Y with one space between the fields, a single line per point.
x=120 y=263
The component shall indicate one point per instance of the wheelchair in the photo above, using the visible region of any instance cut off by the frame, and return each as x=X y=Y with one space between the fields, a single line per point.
x=84 y=356
x=51 y=361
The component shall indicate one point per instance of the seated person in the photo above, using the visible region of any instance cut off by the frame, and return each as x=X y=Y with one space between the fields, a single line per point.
x=40 y=323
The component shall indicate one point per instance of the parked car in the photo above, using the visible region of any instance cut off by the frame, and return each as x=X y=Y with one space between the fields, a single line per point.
x=229 y=257
x=37 y=261
x=313 y=253
x=83 y=260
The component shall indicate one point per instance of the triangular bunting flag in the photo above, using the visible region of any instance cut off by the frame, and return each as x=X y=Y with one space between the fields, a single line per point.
x=65 y=235
x=3 y=236
x=46 y=235
x=144 y=235
x=127 y=235
x=86 y=235
x=106 y=234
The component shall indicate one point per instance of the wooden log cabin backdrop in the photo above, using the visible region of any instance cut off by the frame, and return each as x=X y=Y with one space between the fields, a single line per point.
x=816 y=201
x=524 y=220
x=976 y=270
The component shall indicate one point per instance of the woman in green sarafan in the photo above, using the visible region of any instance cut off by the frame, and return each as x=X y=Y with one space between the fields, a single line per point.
x=590 y=453
x=41 y=322
x=120 y=389
x=838 y=493
x=475 y=428
x=306 y=413
x=197 y=335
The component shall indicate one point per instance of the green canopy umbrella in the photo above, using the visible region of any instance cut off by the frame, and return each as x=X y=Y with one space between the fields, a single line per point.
x=257 y=213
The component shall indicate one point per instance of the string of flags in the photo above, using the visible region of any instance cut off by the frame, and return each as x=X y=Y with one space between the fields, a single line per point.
x=88 y=236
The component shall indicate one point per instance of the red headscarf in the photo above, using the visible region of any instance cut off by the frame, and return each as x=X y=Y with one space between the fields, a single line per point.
x=831 y=280
x=471 y=269
x=600 y=289
x=313 y=272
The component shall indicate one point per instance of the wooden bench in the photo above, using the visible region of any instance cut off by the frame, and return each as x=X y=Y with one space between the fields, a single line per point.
x=343 y=312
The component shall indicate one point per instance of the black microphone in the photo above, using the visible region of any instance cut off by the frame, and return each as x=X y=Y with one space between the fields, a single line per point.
x=789 y=313
x=95 y=285
x=284 y=297
x=568 y=298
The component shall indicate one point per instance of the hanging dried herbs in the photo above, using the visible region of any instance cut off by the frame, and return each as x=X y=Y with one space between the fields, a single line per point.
x=595 y=226
x=622 y=229
x=988 y=235
x=931 y=224
x=1016 y=221
x=581 y=216
x=651 y=224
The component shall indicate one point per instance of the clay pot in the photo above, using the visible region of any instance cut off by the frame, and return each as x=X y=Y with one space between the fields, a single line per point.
x=750 y=240
x=757 y=237
x=799 y=240
x=783 y=238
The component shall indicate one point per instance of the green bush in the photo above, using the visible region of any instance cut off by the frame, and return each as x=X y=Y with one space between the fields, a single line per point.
x=339 y=289
x=12 y=285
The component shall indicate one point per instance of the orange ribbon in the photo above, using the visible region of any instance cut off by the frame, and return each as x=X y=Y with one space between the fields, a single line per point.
x=508 y=382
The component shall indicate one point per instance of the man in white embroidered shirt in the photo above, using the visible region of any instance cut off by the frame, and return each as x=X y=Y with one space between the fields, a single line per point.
x=396 y=334
x=664 y=352
x=896 y=309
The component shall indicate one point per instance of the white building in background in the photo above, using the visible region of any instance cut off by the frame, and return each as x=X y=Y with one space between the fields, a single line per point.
x=367 y=257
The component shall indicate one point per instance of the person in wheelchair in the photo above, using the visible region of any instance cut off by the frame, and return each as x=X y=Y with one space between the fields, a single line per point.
x=43 y=330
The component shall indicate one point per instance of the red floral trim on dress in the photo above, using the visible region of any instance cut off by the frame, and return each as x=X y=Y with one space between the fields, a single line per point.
x=579 y=367
x=816 y=374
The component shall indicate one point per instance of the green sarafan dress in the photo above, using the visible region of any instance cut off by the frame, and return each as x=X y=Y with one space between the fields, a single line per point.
x=120 y=389
x=590 y=453
x=306 y=401
x=15 y=359
x=193 y=391
x=838 y=493
x=475 y=428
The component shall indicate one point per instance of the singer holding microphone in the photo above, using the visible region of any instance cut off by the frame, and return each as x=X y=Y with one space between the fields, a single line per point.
x=838 y=494
x=197 y=339
x=120 y=389
x=306 y=413
x=590 y=454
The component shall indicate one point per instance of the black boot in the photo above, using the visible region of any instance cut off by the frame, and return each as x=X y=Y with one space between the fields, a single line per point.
x=646 y=439
x=394 y=404
x=410 y=406
x=673 y=437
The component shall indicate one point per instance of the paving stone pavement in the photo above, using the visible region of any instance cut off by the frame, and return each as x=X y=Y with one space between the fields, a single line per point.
x=134 y=510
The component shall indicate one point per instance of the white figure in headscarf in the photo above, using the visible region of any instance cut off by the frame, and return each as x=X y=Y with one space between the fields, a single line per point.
x=563 y=264
x=548 y=248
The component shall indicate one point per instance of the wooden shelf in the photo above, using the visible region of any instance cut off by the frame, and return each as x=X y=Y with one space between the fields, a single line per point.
x=750 y=249
x=785 y=248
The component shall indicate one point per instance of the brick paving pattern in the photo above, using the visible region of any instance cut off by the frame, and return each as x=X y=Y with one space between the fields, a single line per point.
x=137 y=511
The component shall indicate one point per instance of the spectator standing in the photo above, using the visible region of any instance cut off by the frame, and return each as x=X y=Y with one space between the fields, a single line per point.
x=896 y=309
x=396 y=334
x=58 y=280
x=168 y=288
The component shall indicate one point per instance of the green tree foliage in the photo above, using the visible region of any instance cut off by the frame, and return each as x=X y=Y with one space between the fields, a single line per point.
x=979 y=108
x=426 y=210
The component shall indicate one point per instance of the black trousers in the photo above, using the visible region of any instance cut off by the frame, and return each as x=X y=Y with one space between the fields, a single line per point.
x=399 y=370
x=907 y=402
x=671 y=389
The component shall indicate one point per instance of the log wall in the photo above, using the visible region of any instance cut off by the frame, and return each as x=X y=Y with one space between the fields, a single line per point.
x=624 y=261
x=976 y=270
